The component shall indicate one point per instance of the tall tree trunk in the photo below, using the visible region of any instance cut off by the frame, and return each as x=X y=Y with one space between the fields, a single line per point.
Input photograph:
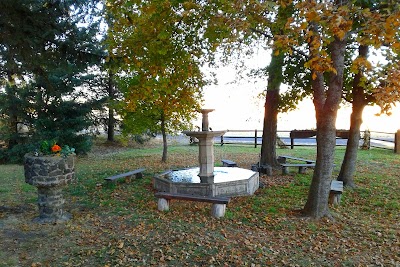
x=360 y=100
x=275 y=78
x=326 y=107
x=13 y=128
x=350 y=157
x=272 y=99
x=164 y=137
x=13 y=108
x=111 y=96
x=317 y=202
x=110 y=126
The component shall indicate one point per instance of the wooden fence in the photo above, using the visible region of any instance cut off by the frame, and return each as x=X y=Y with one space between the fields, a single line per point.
x=383 y=140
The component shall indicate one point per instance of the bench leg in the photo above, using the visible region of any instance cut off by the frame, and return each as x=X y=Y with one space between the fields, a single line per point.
x=334 y=198
x=218 y=210
x=139 y=175
x=163 y=204
x=302 y=170
x=285 y=170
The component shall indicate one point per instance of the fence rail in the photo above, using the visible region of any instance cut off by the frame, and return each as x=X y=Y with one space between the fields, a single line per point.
x=383 y=140
x=294 y=138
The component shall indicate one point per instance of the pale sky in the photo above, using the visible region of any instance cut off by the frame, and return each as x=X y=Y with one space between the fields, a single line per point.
x=237 y=107
x=237 y=110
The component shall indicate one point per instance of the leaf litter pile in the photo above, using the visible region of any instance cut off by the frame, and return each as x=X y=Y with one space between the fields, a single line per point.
x=119 y=224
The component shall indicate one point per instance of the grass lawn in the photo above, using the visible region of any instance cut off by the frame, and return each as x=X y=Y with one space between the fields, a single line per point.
x=119 y=224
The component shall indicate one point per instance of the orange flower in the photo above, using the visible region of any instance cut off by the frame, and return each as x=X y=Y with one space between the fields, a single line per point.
x=56 y=148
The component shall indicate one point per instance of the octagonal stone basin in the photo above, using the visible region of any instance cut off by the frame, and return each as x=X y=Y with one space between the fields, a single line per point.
x=228 y=181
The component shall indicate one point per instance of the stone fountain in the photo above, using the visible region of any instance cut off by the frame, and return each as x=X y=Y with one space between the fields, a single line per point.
x=207 y=180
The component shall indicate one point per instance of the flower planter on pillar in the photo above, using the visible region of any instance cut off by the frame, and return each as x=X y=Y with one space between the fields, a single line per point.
x=50 y=174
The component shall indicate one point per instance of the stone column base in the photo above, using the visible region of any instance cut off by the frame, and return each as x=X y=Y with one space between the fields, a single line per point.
x=50 y=203
x=207 y=179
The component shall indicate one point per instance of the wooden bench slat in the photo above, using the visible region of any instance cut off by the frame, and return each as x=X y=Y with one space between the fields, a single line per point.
x=302 y=167
x=299 y=159
x=210 y=199
x=298 y=164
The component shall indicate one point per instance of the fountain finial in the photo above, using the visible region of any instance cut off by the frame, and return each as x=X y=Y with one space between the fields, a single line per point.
x=204 y=123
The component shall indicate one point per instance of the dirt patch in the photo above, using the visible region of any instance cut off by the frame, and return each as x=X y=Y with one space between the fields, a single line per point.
x=14 y=210
x=20 y=236
x=24 y=242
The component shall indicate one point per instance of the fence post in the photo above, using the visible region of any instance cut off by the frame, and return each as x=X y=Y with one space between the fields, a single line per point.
x=397 y=142
x=255 y=138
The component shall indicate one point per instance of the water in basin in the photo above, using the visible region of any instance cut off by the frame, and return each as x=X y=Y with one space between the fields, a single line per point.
x=221 y=175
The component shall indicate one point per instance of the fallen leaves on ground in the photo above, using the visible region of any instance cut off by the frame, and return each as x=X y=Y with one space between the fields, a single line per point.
x=119 y=225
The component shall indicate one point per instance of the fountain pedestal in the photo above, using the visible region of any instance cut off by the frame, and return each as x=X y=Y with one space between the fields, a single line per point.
x=206 y=147
x=206 y=158
x=50 y=174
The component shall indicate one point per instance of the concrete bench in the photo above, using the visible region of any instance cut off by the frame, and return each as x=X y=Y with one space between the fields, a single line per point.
x=217 y=210
x=228 y=163
x=137 y=173
x=302 y=167
x=336 y=192
x=282 y=159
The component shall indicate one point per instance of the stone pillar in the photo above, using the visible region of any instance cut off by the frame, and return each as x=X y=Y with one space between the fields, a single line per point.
x=50 y=174
x=206 y=160
x=50 y=203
